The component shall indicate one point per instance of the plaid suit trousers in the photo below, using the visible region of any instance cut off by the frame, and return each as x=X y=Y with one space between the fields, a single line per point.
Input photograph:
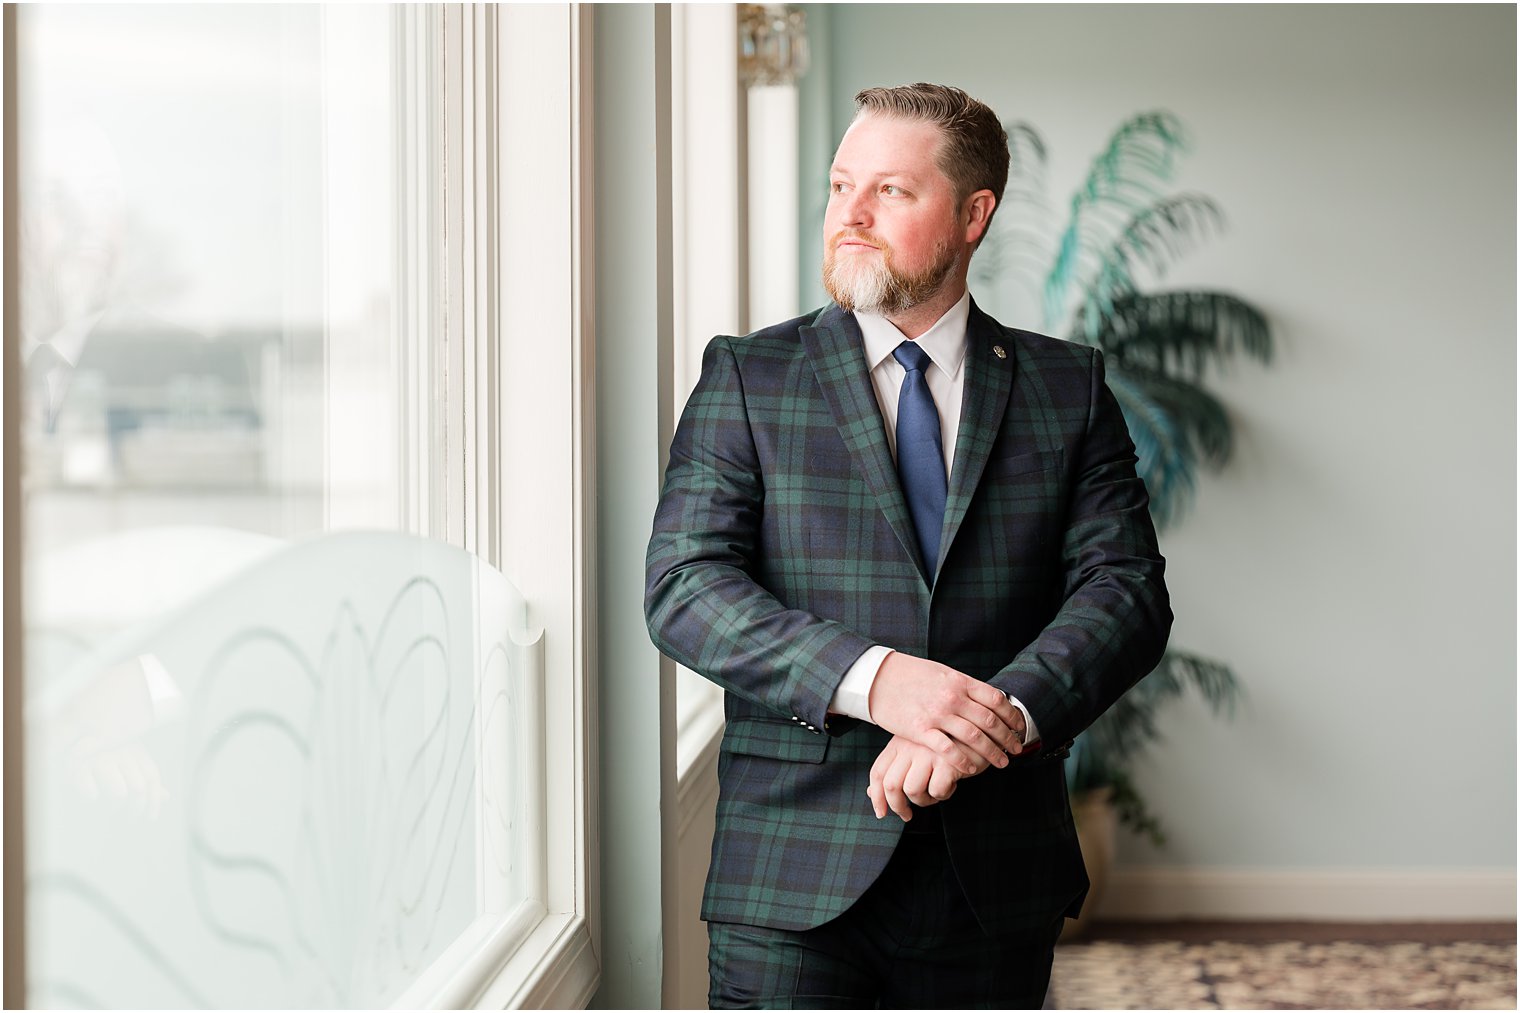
x=911 y=942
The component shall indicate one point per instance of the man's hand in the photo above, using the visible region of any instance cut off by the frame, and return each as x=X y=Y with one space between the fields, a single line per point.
x=906 y=771
x=942 y=709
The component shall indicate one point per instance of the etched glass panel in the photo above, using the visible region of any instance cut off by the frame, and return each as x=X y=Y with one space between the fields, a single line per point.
x=296 y=791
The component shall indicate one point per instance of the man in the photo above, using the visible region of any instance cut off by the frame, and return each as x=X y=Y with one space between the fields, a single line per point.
x=911 y=546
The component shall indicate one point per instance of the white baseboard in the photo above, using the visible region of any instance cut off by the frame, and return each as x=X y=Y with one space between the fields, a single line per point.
x=1352 y=895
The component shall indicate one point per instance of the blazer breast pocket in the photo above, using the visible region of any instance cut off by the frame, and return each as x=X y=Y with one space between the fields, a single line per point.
x=1020 y=506
x=774 y=740
x=1046 y=461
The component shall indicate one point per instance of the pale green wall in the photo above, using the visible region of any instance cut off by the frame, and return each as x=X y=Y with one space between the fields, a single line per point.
x=1357 y=563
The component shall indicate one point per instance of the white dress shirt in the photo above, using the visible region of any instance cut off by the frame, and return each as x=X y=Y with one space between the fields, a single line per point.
x=945 y=344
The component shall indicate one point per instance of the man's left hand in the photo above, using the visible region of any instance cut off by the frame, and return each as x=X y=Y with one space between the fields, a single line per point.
x=909 y=772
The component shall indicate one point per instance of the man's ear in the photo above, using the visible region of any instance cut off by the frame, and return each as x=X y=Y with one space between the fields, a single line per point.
x=975 y=213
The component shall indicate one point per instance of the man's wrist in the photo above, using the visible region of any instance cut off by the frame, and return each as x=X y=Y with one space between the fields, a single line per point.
x=853 y=695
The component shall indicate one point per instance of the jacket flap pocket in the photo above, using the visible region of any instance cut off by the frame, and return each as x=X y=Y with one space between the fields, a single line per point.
x=1018 y=464
x=777 y=740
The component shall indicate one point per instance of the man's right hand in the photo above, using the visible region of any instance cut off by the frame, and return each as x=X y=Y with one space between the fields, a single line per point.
x=945 y=710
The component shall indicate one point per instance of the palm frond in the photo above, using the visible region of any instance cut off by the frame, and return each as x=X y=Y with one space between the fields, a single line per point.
x=1183 y=331
x=1026 y=151
x=1021 y=231
x=1120 y=222
x=1199 y=415
x=1127 y=174
x=1130 y=806
x=1025 y=194
x=1165 y=457
x=1130 y=725
x=1141 y=154
x=1169 y=228
x=1214 y=680
x=1156 y=236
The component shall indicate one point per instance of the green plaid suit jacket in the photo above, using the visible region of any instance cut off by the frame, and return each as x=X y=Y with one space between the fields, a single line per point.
x=783 y=549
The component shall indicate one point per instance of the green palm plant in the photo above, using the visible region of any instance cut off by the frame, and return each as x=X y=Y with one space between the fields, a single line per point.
x=1122 y=224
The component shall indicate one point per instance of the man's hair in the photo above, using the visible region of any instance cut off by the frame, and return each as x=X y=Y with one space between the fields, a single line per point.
x=974 y=155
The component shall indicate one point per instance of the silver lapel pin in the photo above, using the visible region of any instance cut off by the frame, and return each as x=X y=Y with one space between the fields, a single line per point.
x=998 y=351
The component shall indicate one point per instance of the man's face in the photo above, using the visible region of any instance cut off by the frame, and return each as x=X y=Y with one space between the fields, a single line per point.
x=893 y=233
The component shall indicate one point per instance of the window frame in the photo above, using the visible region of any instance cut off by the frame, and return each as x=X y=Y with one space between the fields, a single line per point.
x=518 y=402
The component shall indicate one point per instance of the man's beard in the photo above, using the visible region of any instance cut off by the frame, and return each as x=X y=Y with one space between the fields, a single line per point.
x=862 y=283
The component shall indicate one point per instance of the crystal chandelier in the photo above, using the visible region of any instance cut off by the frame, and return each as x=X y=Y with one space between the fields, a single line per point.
x=772 y=44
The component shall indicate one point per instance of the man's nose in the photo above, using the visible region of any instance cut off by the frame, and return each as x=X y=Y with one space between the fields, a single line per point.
x=856 y=211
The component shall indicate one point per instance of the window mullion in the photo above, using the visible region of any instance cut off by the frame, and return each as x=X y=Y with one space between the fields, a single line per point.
x=454 y=384
x=420 y=264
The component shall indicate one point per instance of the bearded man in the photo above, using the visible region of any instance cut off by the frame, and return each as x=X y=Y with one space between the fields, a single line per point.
x=911 y=546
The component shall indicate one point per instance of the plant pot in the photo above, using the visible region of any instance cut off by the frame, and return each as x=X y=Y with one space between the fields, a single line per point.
x=1097 y=833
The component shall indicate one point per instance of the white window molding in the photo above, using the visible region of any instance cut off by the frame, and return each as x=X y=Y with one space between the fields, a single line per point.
x=498 y=404
x=503 y=214
x=708 y=222
x=418 y=194
x=772 y=145
x=466 y=379
x=516 y=365
x=519 y=436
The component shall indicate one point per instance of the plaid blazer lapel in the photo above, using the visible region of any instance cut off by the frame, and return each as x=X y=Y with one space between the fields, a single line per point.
x=834 y=347
x=989 y=377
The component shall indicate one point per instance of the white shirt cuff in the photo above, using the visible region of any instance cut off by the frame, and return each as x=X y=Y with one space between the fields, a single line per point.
x=853 y=697
x=1031 y=730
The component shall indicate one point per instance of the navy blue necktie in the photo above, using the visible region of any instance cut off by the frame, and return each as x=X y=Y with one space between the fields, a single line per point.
x=920 y=454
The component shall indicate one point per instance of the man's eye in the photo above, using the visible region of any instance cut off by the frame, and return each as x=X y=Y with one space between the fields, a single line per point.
x=836 y=188
x=892 y=191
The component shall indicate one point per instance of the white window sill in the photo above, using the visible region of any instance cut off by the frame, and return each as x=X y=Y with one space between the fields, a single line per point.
x=697 y=739
x=553 y=967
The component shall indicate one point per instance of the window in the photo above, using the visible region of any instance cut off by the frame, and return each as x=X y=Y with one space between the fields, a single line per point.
x=304 y=581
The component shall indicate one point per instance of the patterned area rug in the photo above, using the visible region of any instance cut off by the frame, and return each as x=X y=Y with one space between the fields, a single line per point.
x=1107 y=973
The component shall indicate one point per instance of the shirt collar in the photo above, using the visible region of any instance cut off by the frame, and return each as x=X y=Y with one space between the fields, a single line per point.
x=945 y=341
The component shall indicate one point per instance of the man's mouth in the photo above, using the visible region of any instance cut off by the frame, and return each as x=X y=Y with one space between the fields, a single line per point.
x=854 y=243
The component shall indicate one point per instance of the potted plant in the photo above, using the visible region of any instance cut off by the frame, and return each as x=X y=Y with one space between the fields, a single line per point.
x=1121 y=224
